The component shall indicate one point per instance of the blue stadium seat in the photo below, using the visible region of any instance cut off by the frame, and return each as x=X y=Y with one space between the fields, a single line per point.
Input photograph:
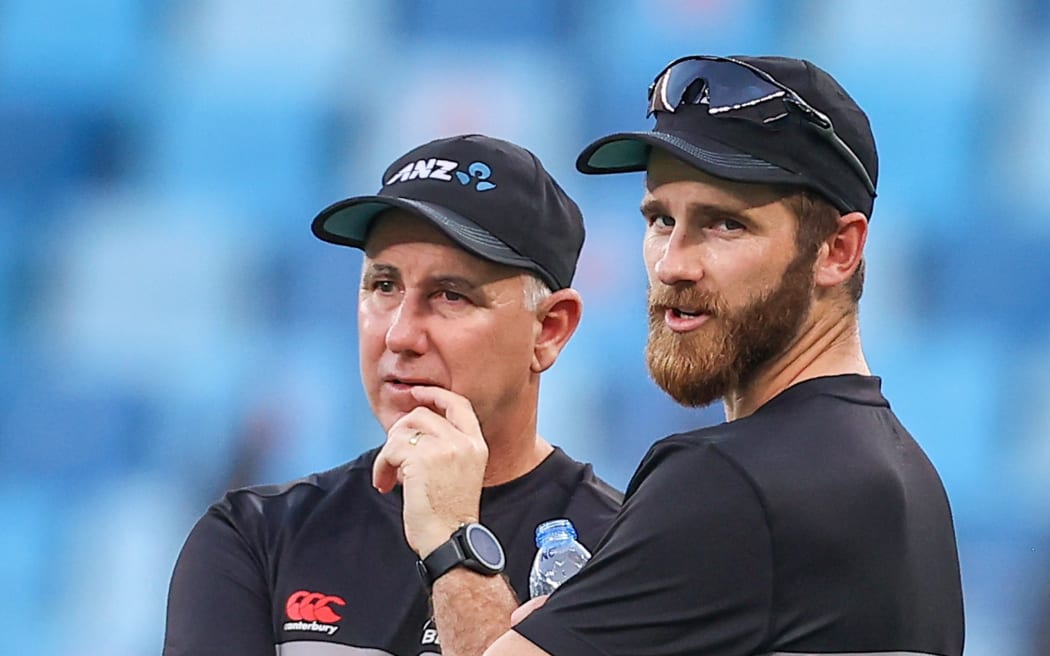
x=74 y=54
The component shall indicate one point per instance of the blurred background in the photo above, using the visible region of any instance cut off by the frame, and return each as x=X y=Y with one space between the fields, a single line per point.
x=169 y=328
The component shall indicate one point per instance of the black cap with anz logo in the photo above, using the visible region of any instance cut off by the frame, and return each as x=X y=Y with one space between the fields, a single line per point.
x=490 y=196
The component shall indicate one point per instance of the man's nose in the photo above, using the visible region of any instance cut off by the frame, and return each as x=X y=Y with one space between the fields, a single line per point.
x=680 y=261
x=407 y=330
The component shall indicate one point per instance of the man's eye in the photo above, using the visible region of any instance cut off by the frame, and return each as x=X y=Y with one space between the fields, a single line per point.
x=731 y=224
x=662 y=220
x=384 y=286
x=451 y=296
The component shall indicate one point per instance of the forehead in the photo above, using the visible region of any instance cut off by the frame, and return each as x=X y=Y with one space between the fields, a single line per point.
x=665 y=169
x=414 y=240
x=396 y=226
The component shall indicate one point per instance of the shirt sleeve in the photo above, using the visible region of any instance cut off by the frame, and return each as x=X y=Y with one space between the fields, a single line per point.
x=218 y=601
x=686 y=568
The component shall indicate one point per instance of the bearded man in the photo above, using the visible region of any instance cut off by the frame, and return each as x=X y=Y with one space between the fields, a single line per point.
x=810 y=522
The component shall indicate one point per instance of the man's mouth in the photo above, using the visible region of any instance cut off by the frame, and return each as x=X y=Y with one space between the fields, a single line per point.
x=409 y=382
x=683 y=320
x=680 y=312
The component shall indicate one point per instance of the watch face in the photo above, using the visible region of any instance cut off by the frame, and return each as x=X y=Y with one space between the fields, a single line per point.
x=485 y=546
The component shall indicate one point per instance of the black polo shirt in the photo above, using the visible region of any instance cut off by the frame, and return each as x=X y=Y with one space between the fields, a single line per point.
x=320 y=566
x=816 y=525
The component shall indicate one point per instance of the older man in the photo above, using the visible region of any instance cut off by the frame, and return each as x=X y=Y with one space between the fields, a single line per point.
x=465 y=300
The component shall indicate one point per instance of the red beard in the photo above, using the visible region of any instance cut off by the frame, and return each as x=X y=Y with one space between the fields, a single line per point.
x=726 y=352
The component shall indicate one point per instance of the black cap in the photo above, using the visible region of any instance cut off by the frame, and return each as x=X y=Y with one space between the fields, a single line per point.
x=787 y=151
x=490 y=196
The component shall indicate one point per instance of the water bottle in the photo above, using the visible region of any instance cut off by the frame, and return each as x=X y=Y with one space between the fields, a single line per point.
x=559 y=556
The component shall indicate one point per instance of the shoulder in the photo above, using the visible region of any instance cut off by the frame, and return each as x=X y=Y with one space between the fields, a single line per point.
x=582 y=479
x=287 y=505
x=561 y=475
x=688 y=467
x=807 y=421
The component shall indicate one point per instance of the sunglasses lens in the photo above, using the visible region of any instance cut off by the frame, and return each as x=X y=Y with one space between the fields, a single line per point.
x=729 y=85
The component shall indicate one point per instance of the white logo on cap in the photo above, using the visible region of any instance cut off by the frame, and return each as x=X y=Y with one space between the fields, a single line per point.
x=477 y=173
x=433 y=168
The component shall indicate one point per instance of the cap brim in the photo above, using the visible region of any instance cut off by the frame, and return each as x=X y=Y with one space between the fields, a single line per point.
x=349 y=221
x=627 y=152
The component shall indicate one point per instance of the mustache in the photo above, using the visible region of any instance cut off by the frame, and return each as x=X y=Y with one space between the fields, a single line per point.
x=663 y=297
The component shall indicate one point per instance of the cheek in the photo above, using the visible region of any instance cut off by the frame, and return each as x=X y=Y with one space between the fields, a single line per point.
x=753 y=279
x=652 y=251
x=371 y=331
x=372 y=317
x=491 y=356
x=771 y=269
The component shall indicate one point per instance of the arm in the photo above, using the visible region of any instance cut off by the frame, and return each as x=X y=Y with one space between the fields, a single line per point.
x=512 y=644
x=471 y=611
x=685 y=568
x=216 y=580
x=438 y=454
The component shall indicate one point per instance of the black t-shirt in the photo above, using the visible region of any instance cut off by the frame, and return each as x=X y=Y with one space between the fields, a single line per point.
x=321 y=566
x=814 y=526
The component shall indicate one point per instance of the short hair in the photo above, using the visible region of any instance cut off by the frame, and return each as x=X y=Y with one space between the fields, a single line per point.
x=536 y=291
x=818 y=219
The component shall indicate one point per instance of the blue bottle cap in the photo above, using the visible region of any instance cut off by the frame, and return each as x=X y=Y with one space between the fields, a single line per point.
x=562 y=528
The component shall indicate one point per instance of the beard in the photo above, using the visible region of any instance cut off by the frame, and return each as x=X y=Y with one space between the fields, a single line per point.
x=727 y=351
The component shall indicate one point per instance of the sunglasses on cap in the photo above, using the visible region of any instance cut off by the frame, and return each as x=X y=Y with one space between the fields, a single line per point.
x=730 y=85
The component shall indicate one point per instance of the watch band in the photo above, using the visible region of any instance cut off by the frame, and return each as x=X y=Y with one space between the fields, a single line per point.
x=459 y=550
x=446 y=557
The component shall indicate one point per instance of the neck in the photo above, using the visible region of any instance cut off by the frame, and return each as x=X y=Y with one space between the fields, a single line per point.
x=827 y=346
x=503 y=468
x=515 y=448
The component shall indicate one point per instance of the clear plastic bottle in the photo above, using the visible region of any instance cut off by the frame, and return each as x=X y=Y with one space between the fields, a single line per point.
x=559 y=556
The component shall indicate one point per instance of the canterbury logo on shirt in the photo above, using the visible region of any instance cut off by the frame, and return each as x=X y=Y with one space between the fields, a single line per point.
x=445 y=170
x=312 y=611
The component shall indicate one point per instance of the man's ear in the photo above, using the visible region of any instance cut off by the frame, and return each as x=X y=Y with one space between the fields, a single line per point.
x=842 y=252
x=556 y=320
